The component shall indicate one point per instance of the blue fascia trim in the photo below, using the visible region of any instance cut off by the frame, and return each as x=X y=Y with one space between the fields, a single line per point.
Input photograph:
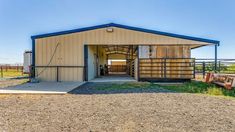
x=130 y=28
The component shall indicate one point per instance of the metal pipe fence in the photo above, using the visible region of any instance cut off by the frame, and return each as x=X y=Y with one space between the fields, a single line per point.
x=224 y=66
x=167 y=68
x=57 y=70
x=11 y=71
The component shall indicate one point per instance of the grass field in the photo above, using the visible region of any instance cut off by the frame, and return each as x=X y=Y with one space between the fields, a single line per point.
x=202 y=88
x=188 y=87
x=11 y=73
x=129 y=85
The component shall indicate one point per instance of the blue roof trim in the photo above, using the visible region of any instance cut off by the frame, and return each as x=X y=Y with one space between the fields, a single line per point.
x=127 y=27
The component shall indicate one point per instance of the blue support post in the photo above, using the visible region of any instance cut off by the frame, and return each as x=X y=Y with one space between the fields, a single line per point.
x=215 y=58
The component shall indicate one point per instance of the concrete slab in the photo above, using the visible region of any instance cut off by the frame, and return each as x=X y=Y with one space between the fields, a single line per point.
x=113 y=79
x=42 y=88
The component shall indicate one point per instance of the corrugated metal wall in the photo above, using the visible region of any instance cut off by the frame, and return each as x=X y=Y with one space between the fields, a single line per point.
x=68 y=53
x=71 y=48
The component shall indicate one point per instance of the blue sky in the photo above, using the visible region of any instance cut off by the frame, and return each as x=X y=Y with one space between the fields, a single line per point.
x=19 y=19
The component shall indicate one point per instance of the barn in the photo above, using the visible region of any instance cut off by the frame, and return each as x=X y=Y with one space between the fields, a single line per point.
x=115 y=50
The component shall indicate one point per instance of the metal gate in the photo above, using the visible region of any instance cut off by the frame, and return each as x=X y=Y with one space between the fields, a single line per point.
x=167 y=68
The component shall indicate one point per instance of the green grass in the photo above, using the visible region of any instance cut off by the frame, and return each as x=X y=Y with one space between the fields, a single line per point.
x=202 y=88
x=215 y=91
x=188 y=87
x=129 y=85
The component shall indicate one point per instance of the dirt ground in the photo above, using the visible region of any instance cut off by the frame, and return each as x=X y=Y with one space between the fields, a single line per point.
x=117 y=112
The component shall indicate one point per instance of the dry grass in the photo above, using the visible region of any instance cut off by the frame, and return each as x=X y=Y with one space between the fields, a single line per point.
x=200 y=88
x=12 y=73
x=12 y=82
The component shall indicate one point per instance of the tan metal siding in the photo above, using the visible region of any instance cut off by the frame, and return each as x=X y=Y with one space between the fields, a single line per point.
x=68 y=53
x=124 y=36
x=70 y=50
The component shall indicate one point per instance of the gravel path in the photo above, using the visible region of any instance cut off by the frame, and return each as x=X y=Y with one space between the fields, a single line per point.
x=117 y=112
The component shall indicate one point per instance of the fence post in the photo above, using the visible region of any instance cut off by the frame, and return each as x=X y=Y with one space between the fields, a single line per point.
x=1 y=72
x=151 y=62
x=203 y=69
x=138 y=64
x=219 y=67
x=165 y=68
x=22 y=69
x=194 y=68
x=216 y=58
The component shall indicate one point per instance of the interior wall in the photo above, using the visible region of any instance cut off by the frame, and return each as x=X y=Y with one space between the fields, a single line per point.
x=144 y=51
x=118 y=62
x=181 y=51
x=117 y=57
x=102 y=58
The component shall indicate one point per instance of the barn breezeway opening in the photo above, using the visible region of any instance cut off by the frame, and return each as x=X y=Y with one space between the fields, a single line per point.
x=115 y=62
x=117 y=67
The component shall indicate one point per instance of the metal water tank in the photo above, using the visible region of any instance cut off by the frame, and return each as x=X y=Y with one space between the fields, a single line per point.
x=27 y=61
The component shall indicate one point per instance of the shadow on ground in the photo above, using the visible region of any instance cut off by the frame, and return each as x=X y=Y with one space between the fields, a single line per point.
x=116 y=88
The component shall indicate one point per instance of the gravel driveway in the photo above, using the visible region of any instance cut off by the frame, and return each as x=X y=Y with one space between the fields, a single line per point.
x=147 y=111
